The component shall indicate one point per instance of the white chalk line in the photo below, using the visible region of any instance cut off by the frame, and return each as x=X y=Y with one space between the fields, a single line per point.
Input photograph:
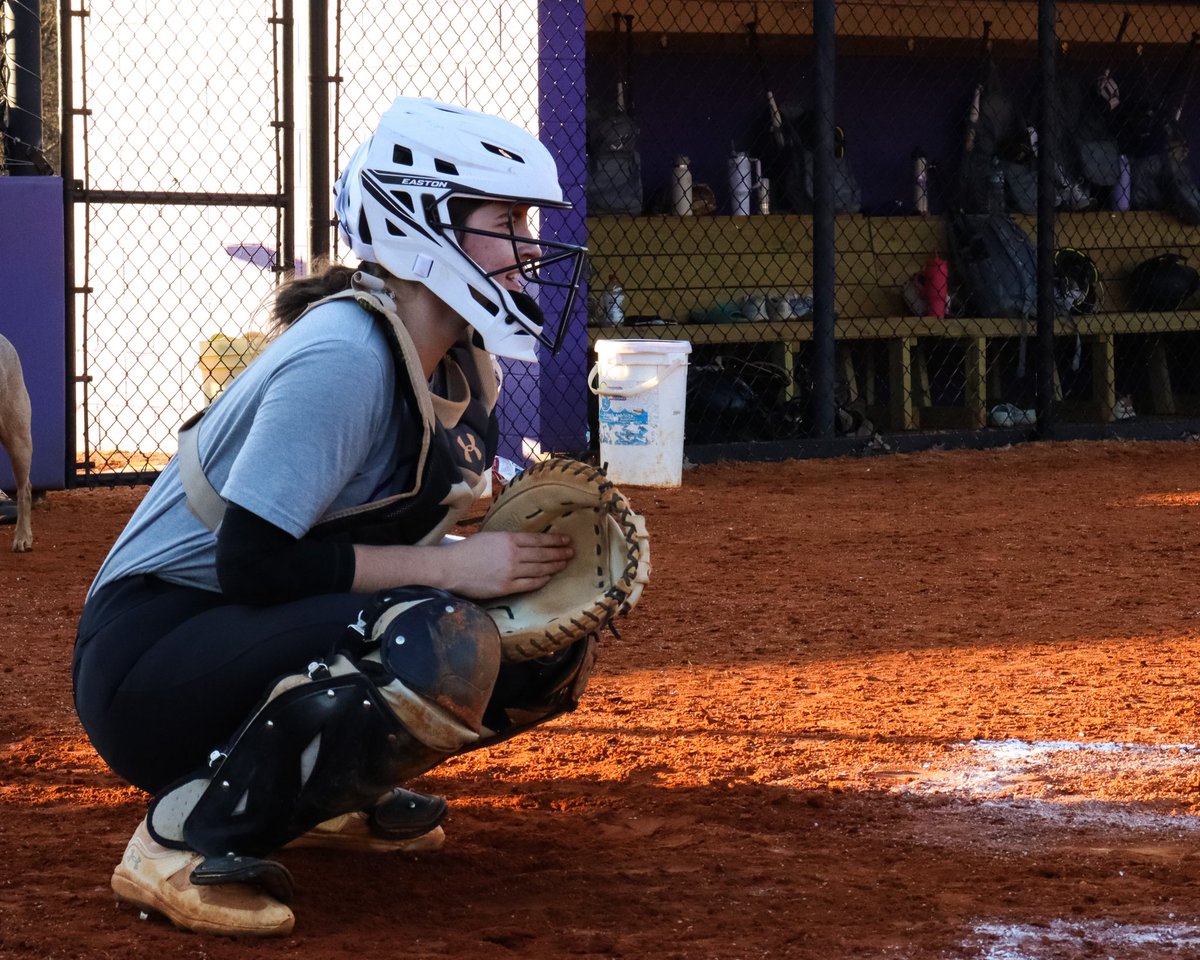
x=1028 y=777
x=998 y=941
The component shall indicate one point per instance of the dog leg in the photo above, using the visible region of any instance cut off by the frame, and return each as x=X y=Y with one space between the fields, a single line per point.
x=16 y=434
x=22 y=453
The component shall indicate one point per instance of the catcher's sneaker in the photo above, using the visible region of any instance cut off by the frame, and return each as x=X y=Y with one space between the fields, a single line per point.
x=404 y=822
x=153 y=877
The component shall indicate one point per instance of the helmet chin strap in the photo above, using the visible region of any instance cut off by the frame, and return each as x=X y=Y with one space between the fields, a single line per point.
x=528 y=306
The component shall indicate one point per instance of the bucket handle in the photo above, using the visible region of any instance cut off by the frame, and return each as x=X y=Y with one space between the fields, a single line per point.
x=594 y=380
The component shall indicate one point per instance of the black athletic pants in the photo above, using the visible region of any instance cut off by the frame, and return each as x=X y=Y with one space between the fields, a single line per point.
x=164 y=674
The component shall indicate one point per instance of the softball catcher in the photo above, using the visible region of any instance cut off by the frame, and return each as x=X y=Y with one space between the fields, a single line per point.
x=284 y=635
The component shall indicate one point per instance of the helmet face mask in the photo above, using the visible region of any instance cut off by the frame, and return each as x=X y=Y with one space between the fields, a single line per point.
x=557 y=266
x=394 y=208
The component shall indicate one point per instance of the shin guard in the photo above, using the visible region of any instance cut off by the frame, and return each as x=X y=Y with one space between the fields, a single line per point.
x=337 y=738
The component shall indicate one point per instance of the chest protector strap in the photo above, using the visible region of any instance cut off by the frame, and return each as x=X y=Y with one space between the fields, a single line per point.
x=445 y=474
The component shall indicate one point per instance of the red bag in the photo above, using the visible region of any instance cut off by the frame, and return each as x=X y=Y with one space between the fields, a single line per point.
x=934 y=284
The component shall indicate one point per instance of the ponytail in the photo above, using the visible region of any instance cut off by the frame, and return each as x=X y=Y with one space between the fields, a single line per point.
x=294 y=297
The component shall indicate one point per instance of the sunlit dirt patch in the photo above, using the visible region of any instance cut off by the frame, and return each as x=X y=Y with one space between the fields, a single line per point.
x=1178 y=498
x=58 y=769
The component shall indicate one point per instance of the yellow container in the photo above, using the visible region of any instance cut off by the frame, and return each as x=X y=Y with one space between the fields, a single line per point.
x=222 y=358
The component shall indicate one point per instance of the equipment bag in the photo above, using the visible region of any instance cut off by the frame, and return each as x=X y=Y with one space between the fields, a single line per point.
x=614 y=166
x=614 y=163
x=996 y=265
x=786 y=141
x=847 y=194
x=1162 y=283
x=997 y=149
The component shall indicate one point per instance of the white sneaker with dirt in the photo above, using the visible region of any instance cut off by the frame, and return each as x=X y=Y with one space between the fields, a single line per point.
x=154 y=877
x=352 y=833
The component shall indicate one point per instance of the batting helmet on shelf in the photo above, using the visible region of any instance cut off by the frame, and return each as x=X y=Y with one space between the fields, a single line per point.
x=1077 y=284
x=1162 y=283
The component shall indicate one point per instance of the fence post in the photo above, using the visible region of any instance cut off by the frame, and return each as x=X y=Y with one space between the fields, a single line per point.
x=1049 y=123
x=824 y=275
x=319 y=129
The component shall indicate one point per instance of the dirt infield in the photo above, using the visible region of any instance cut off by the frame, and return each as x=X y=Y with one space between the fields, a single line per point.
x=928 y=706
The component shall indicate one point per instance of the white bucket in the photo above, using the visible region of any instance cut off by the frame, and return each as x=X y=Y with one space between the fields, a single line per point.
x=642 y=386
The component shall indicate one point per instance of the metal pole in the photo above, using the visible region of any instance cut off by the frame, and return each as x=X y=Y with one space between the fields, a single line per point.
x=1050 y=123
x=25 y=117
x=824 y=276
x=318 y=128
x=286 y=257
x=66 y=128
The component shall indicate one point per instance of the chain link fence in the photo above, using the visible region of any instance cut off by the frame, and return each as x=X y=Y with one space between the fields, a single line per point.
x=179 y=214
x=191 y=197
x=700 y=140
x=704 y=123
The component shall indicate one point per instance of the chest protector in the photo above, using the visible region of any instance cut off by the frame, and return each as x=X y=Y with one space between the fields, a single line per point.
x=438 y=479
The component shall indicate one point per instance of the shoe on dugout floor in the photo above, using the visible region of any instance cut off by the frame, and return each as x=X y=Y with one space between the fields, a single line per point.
x=405 y=822
x=154 y=877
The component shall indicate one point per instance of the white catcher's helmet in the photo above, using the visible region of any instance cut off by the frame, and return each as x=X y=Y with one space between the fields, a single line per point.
x=392 y=204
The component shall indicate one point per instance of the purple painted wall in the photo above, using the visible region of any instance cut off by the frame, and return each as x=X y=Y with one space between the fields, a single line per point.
x=549 y=402
x=32 y=311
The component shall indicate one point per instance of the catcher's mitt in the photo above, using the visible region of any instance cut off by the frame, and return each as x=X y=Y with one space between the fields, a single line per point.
x=603 y=580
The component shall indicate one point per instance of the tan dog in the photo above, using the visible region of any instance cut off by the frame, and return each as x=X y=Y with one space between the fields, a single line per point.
x=17 y=437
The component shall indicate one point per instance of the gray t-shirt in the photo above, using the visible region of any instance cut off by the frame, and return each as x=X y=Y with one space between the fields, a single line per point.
x=308 y=428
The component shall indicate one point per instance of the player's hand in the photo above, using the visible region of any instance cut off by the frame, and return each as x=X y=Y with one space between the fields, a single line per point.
x=495 y=564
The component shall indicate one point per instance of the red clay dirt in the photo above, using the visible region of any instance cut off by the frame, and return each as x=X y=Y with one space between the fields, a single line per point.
x=925 y=706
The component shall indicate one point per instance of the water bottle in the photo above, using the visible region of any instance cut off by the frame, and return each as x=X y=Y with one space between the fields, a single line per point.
x=681 y=187
x=614 y=302
x=921 y=183
x=995 y=196
x=761 y=188
x=739 y=183
x=762 y=195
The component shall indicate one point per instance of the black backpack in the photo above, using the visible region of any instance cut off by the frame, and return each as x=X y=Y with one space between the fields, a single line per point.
x=1162 y=283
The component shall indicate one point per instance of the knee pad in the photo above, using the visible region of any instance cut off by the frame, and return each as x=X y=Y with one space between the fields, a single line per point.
x=439 y=655
x=338 y=737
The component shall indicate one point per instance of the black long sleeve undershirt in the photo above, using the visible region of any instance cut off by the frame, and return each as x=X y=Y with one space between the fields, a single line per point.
x=259 y=563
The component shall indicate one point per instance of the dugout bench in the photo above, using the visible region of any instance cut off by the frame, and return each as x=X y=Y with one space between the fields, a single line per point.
x=675 y=268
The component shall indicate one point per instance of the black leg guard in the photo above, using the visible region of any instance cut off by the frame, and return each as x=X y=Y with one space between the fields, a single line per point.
x=338 y=738
x=533 y=691
x=405 y=815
